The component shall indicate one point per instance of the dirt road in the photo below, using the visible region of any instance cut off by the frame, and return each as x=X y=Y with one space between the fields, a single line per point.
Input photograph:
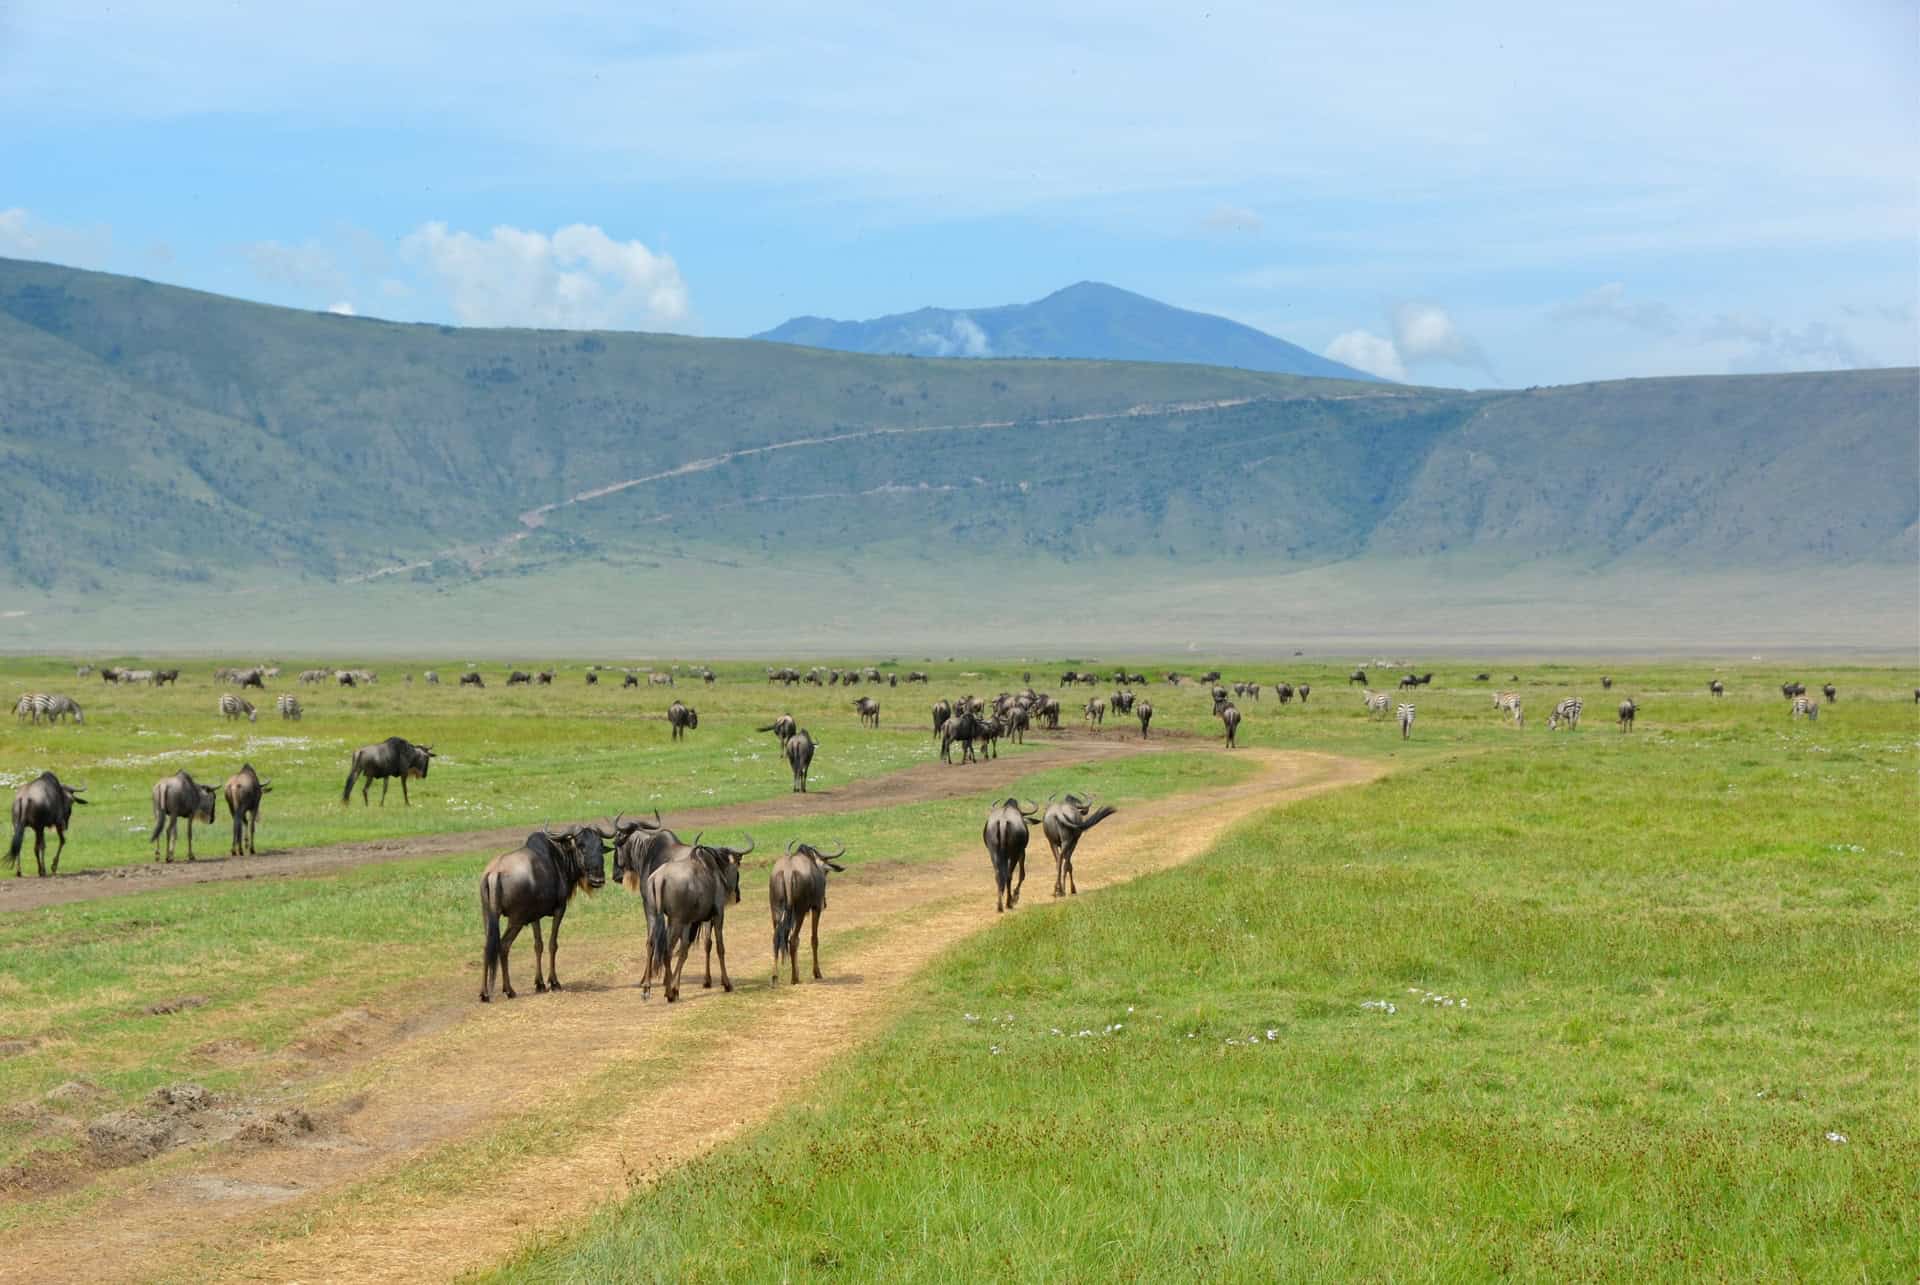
x=397 y=1184
x=925 y=782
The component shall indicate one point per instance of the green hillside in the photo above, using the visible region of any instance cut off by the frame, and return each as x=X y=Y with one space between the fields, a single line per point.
x=164 y=445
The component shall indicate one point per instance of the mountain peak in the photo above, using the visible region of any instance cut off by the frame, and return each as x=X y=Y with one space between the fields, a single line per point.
x=1088 y=320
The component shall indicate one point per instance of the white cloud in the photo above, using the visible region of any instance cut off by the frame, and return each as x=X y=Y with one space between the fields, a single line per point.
x=307 y=266
x=578 y=278
x=1424 y=332
x=964 y=338
x=22 y=236
x=1753 y=345
x=1226 y=218
x=1364 y=350
x=342 y=309
x=1609 y=302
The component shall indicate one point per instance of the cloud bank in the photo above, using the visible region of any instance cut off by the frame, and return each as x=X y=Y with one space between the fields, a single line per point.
x=577 y=278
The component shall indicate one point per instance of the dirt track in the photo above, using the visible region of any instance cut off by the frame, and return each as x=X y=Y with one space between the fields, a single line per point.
x=922 y=783
x=441 y=1081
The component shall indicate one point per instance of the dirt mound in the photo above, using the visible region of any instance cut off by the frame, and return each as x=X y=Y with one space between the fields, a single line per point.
x=182 y=1115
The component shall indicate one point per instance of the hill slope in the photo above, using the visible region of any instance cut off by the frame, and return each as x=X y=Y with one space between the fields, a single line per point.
x=153 y=436
x=1089 y=321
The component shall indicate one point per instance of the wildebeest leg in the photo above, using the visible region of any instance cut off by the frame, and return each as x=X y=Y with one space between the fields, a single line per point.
x=553 y=950
x=717 y=941
x=173 y=829
x=61 y=832
x=506 y=944
x=677 y=962
x=539 y=961
x=40 y=851
x=708 y=984
x=189 y=836
x=816 y=944
x=404 y=796
x=1014 y=896
x=366 y=784
x=385 y=781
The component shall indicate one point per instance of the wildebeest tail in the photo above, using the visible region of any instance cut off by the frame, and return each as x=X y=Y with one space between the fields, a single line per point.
x=490 y=920
x=346 y=795
x=13 y=849
x=159 y=822
x=782 y=926
x=657 y=943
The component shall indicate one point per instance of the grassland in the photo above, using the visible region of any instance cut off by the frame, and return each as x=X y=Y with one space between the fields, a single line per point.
x=1678 y=958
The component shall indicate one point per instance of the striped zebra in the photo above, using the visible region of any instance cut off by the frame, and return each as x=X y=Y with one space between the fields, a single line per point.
x=1805 y=707
x=233 y=707
x=1376 y=702
x=1406 y=719
x=58 y=707
x=289 y=707
x=31 y=706
x=1568 y=712
x=1505 y=700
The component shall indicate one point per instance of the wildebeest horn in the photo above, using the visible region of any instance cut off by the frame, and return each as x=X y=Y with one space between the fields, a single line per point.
x=696 y=837
x=832 y=856
x=749 y=848
x=790 y=843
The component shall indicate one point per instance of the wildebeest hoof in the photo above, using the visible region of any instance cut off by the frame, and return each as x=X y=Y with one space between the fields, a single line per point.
x=727 y=986
x=485 y=998
x=554 y=985
x=539 y=988
x=511 y=993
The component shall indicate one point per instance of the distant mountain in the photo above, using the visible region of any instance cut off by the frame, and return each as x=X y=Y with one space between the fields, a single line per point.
x=1090 y=321
x=160 y=445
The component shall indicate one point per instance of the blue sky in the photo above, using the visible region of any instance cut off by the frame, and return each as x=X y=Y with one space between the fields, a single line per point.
x=1486 y=194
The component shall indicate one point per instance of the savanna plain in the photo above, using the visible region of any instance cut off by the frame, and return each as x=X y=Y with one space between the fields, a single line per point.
x=1486 y=1000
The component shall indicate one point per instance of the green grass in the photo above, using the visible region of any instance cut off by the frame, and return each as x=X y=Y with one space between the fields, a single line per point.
x=1679 y=960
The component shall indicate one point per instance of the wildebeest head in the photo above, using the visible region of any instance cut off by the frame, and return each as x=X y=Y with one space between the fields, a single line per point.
x=417 y=766
x=586 y=847
x=831 y=860
x=203 y=802
x=726 y=862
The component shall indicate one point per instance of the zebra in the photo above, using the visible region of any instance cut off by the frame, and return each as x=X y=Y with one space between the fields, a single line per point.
x=1376 y=702
x=81 y=671
x=31 y=706
x=1568 y=712
x=1803 y=707
x=289 y=708
x=1505 y=700
x=1405 y=711
x=58 y=707
x=233 y=707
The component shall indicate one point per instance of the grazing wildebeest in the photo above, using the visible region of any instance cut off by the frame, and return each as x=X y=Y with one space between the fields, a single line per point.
x=1627 y=710
x=255 y=677
x=783 y=727
x=244 y=790
x=869 y=710
x=593 y=679
x=1831 y=692
x=233 y=707
x=545 y=677
x=519 y=678
x=631 y=680
x=472 y=679
x=799 y=751
x=966 y=727
x=1408 y=680
x=942 y=711
x=163 y=677
x=1005 y=835
x=797 y=890
x=108 y=674
x=684 y=894
x=533 y=882
x=1357 y=676
x=1230 y=717
x=1717 y=688
x=916 y=676
x=1048 y=707
x=390 y=758
x=1606 y=682
x=1065 y=822
x=1791 y=690
x=1144 y=711
x=39 y=804
x=179 y=796
x=1481 y=678
x=682 y=718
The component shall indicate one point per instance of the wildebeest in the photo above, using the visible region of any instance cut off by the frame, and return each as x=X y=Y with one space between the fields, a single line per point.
x=289 y=708
x=1005 y=835
x=1606 y=682
x=1230 y=718
x=1144 y=711
x=630 y=680
x=163 y=677
x=1283 y=692
x=545 y=677
x=869 y=710
x=797 y=891
x=109 y=674
x=432 y=677
x=533 y=882
x=233 y=707
x=1831 y=692
x=916 y=676
x=1791 y=690
x=799 y=751
x=1717 y=688
x=40 y=804
x=1305 y=691
x=1357 y=676
x=783 y=727
x=683 y=893
x=389 y=758
x=1063 y=825
x=244 y=790
x=1481 y=678
x=1627 y=710
x=682 y=718
x=942 y=711
x=967 y=728
x=472 y=679
x=1095 y=711
x=593 y=679
x=519 y=678
x=175 y=797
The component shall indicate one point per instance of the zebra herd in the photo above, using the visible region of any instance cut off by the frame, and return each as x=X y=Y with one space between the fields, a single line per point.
x=34 y=706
